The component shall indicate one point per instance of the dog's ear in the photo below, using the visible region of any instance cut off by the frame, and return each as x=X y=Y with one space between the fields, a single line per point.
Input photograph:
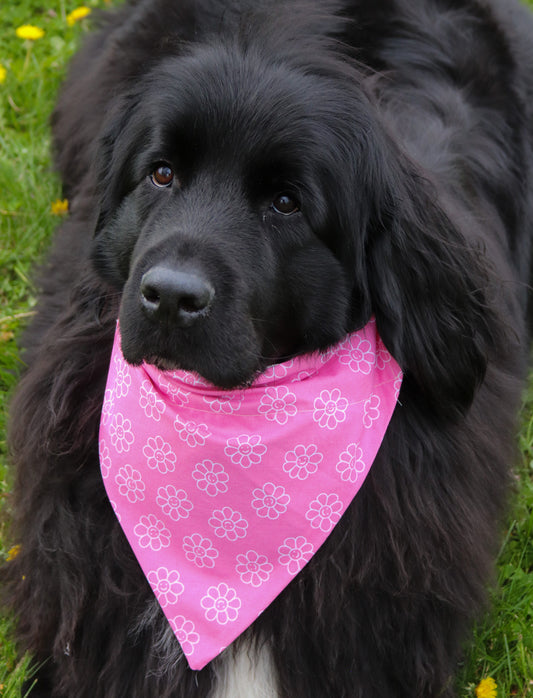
x=112 y=163
x=414 y=270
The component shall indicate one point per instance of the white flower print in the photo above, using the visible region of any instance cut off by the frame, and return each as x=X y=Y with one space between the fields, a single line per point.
x=185 y=633
x=277 y=370
x=245 y=450
x=177 y=395
x=159 y=455
x=108 y=405
x=226 y=404
x=324 y=511
x=191 y=378
x=371 y=411
x=221 y=604
x=302 y=462
x=357 y=354
x=166 y=585
x=192 y=433
x=130 y=484
x=330 y=409
x=211 y=478
x=278 y=404
x=351 y=463
x=105 y=459
x=174 y=502
x=115 y=509
x=270 y=501
x=229 y=524
x=122 y=378
x=199 y=550
x=253 y=568
x=152 y=405
x=383 y=356
x=152 y=533
x=121 y=433
x=294 y=553
x=398 y=385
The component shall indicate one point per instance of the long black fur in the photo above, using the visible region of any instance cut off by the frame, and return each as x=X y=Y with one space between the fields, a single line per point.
x=403 y=129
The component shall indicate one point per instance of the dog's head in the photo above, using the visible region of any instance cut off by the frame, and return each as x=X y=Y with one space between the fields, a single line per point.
x=252 y=207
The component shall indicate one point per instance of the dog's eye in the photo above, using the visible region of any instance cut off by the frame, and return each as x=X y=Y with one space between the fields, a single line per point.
x=285 y=204
x=162 y=176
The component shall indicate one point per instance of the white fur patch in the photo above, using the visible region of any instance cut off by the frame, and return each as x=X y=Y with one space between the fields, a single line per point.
x=247 y=673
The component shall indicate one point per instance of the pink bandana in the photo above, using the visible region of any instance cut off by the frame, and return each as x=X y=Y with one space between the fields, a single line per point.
x=225 y=496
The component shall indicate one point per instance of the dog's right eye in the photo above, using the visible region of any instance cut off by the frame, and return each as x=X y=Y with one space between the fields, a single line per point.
x=162 y=176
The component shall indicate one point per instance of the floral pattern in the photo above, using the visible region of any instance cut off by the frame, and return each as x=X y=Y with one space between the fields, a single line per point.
x=357 y=353
x=330 y=409
x=294 y=553
x=221 y=604
x=121 y=433
x=167 y=585
x=199 y=550
x=174 y=502
x=302 y=461
x=225 y=404
x=371 y=411
x=211 y=478
x=324 y=511
x=185 y=633
x=351 y=463
x=159 y=455
x=245 y=450
x=130 y=484
x=152 y=533
x=229 y=524
x=253 y=568
x=192 y=433
x=150 y=403
x=278 y=404
x=270 y=501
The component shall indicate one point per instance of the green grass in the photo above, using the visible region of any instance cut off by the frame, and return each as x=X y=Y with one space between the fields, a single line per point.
x=503 y=644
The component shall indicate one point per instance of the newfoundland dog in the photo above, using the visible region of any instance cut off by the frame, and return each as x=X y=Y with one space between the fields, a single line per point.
x=252 y=181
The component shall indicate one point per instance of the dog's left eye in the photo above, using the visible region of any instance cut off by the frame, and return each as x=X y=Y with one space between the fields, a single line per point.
x=162 y=176
x=285 y=204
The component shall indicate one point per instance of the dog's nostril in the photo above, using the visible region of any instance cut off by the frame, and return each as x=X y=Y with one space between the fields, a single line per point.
x=149 y=294
x=175 y=296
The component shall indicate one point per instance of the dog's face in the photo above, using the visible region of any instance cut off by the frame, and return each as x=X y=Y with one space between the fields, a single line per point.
x=253 y=208
x=221 y=231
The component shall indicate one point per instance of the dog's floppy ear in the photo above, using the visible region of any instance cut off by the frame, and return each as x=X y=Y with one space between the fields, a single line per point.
x=416 y=273
x=112 y=164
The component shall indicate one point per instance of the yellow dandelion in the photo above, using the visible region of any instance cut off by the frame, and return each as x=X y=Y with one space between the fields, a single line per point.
x=487 y=688
x=12 y=554
x=28 y=31
x=3 y=74
x=59 y=207
x=77 y=14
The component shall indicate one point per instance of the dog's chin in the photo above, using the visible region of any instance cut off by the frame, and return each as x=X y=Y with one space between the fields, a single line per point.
x=228 y=370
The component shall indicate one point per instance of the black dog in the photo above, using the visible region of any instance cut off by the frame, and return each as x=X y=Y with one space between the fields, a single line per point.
x=251 y=180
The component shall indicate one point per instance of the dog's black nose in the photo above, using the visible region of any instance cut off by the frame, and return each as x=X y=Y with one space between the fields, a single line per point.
x=175 y=296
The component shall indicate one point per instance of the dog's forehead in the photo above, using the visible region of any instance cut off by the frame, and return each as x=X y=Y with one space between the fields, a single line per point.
x=228 y=99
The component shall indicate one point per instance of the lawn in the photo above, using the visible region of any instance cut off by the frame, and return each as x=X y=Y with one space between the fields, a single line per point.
x=31 y=70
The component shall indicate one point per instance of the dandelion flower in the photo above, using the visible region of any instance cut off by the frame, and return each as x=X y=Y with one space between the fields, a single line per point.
x=3 y=73
x=59 y=208
x=28 y=31
x=77 y=14
x=487 y=688
x=12 y=554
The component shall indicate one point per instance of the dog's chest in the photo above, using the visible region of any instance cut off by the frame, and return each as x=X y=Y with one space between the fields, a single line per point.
x=249 y=673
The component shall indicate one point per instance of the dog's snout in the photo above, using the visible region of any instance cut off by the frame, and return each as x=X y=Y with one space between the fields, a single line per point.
x=175 y=296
